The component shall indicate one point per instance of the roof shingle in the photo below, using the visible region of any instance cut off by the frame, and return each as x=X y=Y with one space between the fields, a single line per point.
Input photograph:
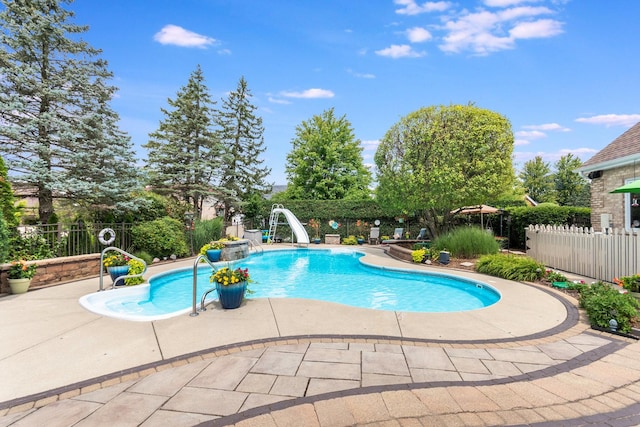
x=625 y=145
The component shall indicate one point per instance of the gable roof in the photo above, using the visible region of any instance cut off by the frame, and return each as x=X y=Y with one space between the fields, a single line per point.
x=624 y=146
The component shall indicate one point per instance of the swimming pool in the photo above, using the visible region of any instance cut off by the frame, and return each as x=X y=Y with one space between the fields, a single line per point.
x=328 y=275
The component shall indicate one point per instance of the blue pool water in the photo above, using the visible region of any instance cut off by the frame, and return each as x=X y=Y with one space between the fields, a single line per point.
x=327 y=275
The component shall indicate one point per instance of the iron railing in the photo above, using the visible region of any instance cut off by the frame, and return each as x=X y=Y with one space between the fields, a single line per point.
x=79 y=238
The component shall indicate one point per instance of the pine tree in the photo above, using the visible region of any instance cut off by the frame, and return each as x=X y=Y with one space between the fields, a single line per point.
x=242 y=135
x=53 y=95
x=184 y=153
x=537 y=180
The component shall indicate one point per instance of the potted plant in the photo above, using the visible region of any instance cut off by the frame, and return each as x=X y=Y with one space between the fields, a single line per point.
x=231 y=285
x=20 y=274
x=360 y=229
x=212 y=250
x=316 y=228
x=117 y=265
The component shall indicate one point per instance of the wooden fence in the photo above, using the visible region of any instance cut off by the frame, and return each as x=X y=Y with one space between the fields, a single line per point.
x=600 y=255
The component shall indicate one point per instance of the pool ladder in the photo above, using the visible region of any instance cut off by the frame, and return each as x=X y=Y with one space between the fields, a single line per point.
x=194 y=312
x=121 y=278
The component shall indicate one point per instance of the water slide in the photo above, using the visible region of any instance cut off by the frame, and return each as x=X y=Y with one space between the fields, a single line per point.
x=296 y=226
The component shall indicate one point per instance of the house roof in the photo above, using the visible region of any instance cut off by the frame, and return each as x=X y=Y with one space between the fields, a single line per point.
x=625 y=146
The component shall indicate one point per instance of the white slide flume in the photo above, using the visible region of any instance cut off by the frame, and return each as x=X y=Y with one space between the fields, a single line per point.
x=296 y=226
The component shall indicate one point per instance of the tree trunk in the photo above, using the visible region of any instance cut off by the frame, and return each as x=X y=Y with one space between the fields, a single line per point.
x=45 y=205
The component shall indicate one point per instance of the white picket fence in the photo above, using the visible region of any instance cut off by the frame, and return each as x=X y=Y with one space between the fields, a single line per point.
x=582 y=251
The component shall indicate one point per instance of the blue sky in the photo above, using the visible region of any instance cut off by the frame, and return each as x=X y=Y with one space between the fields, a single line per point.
x=564 y=72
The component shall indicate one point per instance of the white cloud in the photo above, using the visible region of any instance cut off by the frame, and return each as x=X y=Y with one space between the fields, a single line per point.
x=310 y=93
x=578 y=151
x=506 y=3
x=537 y=29
x=418 y=34
x=529 y=135
x=400 y=51
x=175 y=35
x=361 y=75
x=609 y=120
x=278 y=101
x=413 y=8
x=547 y=127
x=485 y=31
x=370 y=145
x=518 y=142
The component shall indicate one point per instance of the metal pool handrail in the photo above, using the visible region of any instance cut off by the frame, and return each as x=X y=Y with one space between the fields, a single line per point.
x=113 y=248
x=194 y=312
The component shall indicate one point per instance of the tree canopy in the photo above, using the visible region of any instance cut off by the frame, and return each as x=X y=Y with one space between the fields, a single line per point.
x=440 y=158
x=572 y=189
x=241 y=135
x=57 y=130
x=185 y=154
x=538 y=181
x=325 y=162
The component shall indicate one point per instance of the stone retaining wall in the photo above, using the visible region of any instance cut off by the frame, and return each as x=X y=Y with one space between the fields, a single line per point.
x=56 y=271
x=399 y=252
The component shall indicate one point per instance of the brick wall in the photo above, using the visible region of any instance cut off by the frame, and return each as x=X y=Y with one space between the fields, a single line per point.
x=56 y=271
x=604 y=202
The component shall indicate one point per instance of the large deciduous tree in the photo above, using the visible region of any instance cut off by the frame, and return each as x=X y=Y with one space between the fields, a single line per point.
x=185 y=155
x=440 y=158
x=325 y=162
x=54 y=108
x=538 y=181
x=242 y=136
x=571 y=188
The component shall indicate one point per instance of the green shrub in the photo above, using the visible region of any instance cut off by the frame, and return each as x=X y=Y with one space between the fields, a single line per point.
x=135 y=267
x=603 y=303
x=351 y=240
x=466 y=242
x=4 y=240
x=419 y=255
x=511 y=267
x=146 y=256
x=554 y=276
x=161 y=237
x=30 y=247
x=207 y=230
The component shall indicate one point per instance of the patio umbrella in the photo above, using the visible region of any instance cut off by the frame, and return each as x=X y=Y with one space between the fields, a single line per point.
x=479 y=209
x=632 y=187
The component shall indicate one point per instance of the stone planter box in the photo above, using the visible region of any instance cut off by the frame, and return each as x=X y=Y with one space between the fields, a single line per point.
x=332 y=239
x=234 y=250
x=56 y=271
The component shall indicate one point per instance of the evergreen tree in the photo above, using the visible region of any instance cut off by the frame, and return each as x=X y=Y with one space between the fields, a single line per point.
x=571 y=188
x=538 y=181
x=184 y=153
x=326 y=161
x=242 y=136
x=53 y=96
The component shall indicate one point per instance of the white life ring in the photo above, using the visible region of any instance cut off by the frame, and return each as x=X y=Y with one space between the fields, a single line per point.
x=110 y=232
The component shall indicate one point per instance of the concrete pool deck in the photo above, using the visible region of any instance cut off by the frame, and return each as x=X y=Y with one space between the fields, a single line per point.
x=528 y=359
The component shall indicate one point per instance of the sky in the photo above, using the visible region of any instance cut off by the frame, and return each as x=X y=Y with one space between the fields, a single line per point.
x=564 y=72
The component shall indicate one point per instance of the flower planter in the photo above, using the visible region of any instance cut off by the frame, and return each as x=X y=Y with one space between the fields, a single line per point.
x=231 y=296
x=213 y=255
x=19 y=286
x=317 y=240
x=360 y=241
x=117 y=271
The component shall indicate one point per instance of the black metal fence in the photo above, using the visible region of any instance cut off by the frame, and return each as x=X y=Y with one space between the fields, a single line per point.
x=78 y=238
